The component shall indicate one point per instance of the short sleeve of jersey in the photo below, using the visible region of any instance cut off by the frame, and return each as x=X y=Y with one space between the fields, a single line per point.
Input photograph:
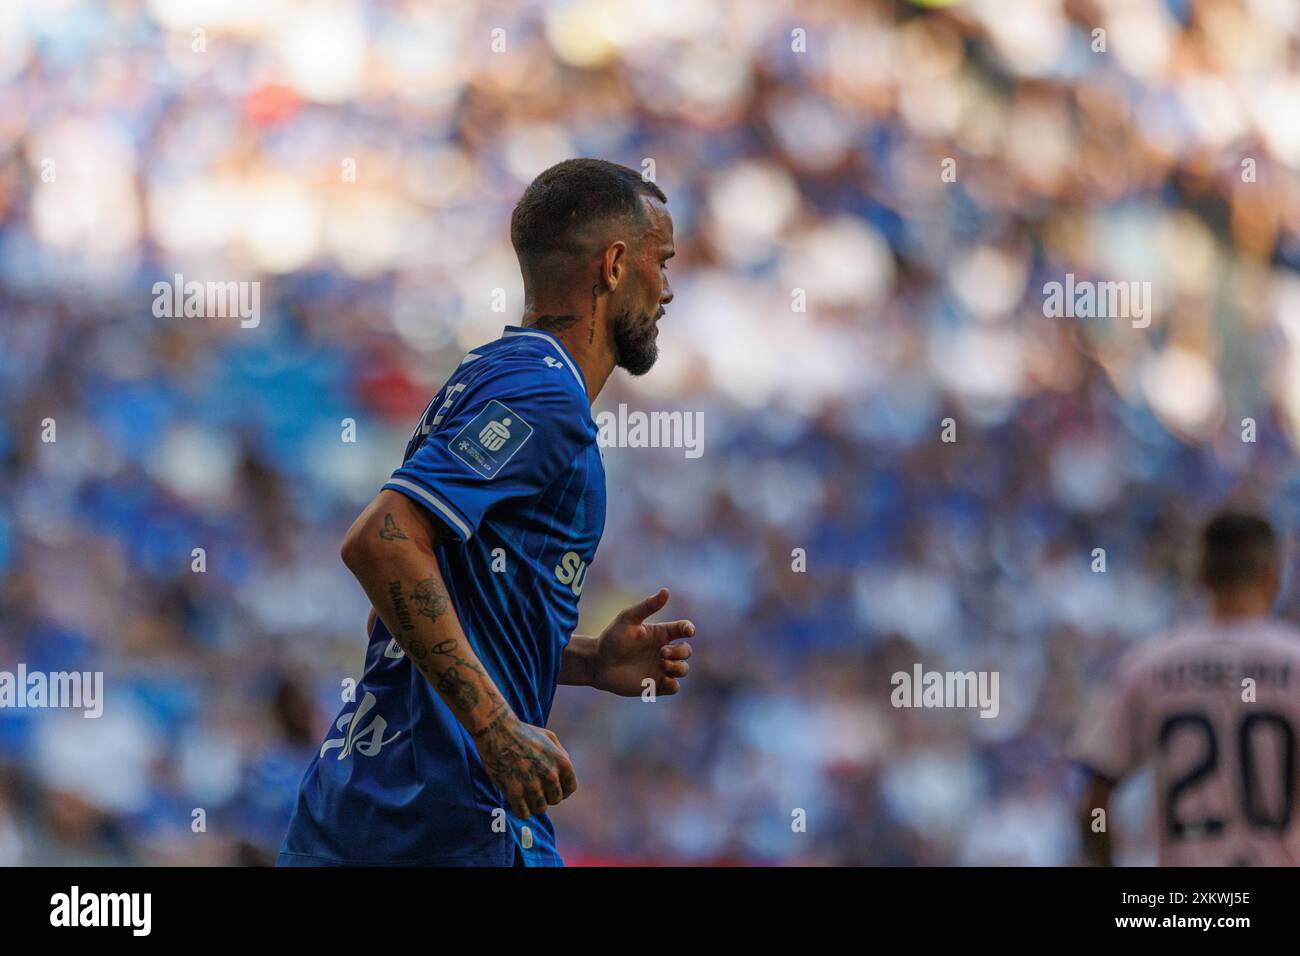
x=510 y=431
x=1108 y=740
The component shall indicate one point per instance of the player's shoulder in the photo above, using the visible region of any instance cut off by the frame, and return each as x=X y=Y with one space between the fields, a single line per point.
x=1158 y=649
x=528 y=372
x=529 y=358
x=1266 y=635
x=1278 y=636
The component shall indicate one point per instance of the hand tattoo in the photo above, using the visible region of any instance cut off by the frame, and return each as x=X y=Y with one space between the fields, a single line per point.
x=501 y=748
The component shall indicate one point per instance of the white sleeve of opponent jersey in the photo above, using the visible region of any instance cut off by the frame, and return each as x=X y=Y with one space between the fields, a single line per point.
x=1108 y=739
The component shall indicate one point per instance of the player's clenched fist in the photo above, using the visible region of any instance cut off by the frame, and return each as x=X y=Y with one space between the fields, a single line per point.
x=528 y=764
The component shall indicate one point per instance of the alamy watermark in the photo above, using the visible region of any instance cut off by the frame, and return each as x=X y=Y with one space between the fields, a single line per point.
x=958 y=689
x=133 y=911
x=213 y=300
x=636 y=429
x=1085 y=299
x=59 y=690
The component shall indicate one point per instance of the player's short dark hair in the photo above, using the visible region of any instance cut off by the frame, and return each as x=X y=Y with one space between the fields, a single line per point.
x=1237 y=547
x=568 y=198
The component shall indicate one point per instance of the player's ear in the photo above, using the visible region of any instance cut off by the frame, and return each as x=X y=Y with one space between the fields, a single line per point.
x=613 y=265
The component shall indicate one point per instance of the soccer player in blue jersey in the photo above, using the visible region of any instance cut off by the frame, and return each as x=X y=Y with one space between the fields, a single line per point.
x=475 y=551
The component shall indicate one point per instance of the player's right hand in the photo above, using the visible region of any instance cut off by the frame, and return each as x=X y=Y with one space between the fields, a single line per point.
x=527 y=763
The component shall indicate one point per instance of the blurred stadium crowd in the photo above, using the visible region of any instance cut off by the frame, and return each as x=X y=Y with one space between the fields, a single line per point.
x=360 y=160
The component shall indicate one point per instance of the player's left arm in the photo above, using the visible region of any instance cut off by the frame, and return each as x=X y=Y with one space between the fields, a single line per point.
x=630 y=651
x=1108 y=748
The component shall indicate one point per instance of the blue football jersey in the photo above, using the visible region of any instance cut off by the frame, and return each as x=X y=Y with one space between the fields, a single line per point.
x=506 y=457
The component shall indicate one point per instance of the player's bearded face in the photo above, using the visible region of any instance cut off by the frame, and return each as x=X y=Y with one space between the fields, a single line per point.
x=634 y=344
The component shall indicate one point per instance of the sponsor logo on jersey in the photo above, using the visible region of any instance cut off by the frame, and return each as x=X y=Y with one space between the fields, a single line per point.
x=572 y=570
x=366 y=738
x=490 y=439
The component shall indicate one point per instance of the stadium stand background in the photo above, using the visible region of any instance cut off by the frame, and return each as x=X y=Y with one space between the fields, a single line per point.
x=817 y=171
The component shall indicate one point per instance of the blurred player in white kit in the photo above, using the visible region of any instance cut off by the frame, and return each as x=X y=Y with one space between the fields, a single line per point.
x=1215 y=709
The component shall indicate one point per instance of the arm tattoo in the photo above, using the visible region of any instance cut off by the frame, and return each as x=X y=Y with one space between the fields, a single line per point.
x=429 y=598
x=390 y=531
x=494 y=723
x=448 y=648
x=456 y=683
x=399 y=606
x=461 y=693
